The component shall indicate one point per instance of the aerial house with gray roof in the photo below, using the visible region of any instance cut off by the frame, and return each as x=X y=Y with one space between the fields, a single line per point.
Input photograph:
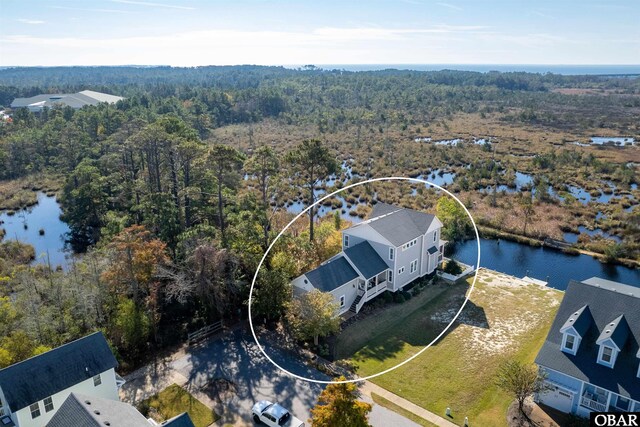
x=33 y=390
x=388 y=251
x=591 y=357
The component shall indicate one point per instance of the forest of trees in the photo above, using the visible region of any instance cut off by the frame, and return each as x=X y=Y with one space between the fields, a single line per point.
x=173 y=221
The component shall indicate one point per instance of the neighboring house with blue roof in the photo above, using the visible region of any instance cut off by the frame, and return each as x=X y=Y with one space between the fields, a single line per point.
x=33 y=390
x=388 y=251
x=591 y=356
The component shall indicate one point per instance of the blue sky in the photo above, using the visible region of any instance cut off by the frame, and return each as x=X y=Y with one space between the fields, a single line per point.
x=200 y=32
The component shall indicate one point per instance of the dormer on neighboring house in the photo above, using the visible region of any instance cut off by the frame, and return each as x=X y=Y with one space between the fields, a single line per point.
x=574 y=329
x=591 y=356
x=33 y=390
x=612 y=341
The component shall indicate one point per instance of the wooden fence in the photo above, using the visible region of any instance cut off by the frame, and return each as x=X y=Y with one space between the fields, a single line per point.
x=205 y=332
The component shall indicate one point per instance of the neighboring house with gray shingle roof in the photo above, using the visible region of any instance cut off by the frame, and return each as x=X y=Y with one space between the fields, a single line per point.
x=389 y=250
x=74 y=100
x=591 y=356
x=90 y=411
x=33 y=390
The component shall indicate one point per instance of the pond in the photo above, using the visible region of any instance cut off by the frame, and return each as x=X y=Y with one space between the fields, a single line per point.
x=609 y=140
x=570 y=237
x=43 y=216
x=546 y=264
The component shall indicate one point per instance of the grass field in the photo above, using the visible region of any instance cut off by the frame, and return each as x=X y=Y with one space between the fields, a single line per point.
x=505 y=318
x=175 y=400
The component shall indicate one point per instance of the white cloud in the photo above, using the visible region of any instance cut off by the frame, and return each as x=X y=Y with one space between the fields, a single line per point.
x=449 y=6
x=151 y=4
x=30 y=21
x=444 y=44
x=82 y=9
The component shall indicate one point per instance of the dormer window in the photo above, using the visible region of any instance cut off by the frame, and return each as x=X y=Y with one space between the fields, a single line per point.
x=346 y=240
x=607 y=355
x=570 y=343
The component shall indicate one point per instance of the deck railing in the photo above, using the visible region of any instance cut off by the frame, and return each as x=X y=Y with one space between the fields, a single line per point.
x=593 y=404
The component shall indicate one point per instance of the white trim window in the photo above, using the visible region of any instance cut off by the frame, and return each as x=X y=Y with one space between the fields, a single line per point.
x=410 y=244
x=569 y=343
x=413 y=266
x=391 y=253
x=48 y=404
x=34 y=408
x=390 y=277
x=346 y=240
x=342 y=301
x=435 y=236
x=400 y=270
x=97 y=380
x=607 y=355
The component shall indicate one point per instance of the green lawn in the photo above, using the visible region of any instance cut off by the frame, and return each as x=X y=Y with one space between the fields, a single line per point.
x=505 y=318
x=175 y=400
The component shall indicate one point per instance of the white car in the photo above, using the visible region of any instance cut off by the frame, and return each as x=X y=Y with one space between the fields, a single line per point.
x=274 y=415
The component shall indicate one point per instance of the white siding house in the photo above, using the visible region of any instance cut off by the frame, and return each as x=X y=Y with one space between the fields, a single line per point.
x=591 y=357
x=391 y=249
x=32 y=391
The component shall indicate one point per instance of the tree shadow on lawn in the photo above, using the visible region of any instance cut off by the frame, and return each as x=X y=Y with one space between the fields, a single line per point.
x=422 y=327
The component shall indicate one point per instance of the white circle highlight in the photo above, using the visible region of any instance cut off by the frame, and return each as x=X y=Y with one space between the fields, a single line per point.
x=304 y=211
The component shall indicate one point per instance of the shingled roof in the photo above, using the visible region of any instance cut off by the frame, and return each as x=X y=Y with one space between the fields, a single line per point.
x=607 y=302
x=366 y=259
x=332 y=275
x=41 y=376
x=89 y=411
x=398 y=225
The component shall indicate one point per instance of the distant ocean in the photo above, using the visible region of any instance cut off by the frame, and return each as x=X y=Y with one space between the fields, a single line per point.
x=484 y=68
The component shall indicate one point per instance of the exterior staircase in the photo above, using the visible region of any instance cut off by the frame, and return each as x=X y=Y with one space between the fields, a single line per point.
x=354 y=306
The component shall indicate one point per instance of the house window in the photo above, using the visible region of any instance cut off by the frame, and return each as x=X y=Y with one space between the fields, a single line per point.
x=346 y=241
x=97 y=380
x=622 y=403
x=390 y=275
x=48 y=404
x=414 y=266
x=342 y=300
x=606 y=355
x=435 y=236
x=400 y=270
x=391 y=253
x=35 y=410
x=569 y=342
x=410 y=244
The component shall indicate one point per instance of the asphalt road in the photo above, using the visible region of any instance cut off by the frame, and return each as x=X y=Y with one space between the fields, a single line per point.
x=237 y=358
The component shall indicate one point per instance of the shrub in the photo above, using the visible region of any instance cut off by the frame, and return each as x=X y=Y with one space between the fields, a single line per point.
x=399 y=298
x=387 y=297
x=452 y=267
x=406 y=295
